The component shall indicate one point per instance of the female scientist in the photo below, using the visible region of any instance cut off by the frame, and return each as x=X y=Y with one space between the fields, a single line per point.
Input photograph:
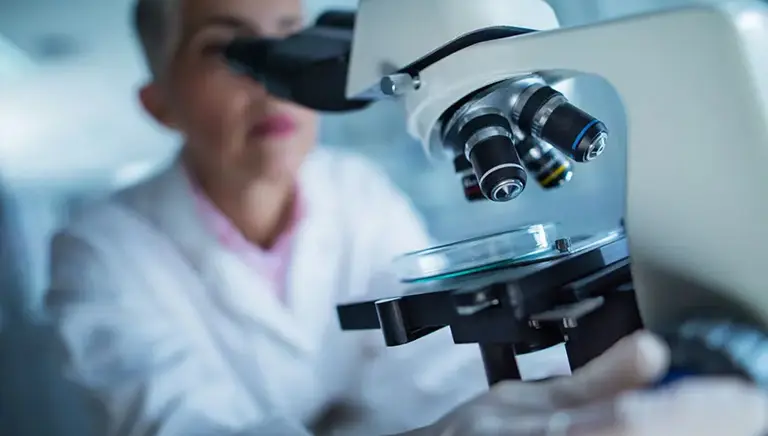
x=201 y=302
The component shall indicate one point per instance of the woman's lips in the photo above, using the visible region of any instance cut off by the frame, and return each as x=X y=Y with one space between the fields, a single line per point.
x=275 y=126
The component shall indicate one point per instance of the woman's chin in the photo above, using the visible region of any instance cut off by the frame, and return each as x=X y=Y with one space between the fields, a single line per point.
x=275 y=159
x=279 y=168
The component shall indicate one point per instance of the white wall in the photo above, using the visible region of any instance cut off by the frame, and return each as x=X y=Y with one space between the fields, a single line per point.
x=74 y=125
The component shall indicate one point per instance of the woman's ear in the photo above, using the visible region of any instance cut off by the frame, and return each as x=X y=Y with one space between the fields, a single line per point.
x=155 y=102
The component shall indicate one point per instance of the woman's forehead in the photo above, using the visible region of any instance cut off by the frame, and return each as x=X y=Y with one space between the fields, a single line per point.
x=257 y=13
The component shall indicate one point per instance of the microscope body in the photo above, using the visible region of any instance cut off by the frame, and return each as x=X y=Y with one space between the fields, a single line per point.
x=695 y=91
x=688 y=260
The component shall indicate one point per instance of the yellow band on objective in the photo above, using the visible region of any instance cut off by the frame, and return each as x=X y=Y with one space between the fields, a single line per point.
x=553 y=175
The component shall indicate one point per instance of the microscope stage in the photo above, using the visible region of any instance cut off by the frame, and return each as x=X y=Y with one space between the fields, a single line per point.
x=518 y=286
x=533 y=244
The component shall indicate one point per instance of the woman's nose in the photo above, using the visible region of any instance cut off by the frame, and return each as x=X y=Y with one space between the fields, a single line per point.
x=254 y=88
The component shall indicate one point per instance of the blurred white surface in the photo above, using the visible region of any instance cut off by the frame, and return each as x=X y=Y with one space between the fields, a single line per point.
x=543 y=364
x=14 y=63
x=73 y=125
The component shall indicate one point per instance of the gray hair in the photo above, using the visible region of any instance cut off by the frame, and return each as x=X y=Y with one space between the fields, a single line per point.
x=152 y=21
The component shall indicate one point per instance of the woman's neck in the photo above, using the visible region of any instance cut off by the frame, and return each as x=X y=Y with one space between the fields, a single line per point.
x=261 y=210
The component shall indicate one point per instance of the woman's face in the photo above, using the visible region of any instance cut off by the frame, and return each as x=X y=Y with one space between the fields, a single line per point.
x=233 y=128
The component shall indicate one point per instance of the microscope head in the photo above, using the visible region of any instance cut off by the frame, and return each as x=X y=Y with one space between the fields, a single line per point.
x=498 y=130
x=391 y=35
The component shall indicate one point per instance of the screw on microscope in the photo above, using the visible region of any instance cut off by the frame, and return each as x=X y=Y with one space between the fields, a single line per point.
x=570 y=323
x=398 y=84
x=563 y=245
x=472 y=303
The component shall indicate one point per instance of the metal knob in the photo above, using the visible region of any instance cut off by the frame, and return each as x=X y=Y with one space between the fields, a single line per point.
x=398 y=84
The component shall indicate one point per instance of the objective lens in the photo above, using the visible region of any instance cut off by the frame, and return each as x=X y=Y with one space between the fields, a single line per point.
x=546 y=114
x=544 y=162
x=489 y=147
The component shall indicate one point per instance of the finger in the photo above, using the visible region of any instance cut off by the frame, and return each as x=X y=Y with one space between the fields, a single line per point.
x=521 y=396
x=633 y=362
x=700 y=407
x=495 y=420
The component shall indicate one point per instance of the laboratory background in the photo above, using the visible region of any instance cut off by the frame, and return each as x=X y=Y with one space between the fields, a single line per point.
x=71 y=131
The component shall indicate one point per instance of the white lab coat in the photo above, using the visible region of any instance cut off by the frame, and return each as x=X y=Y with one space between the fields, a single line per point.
x=174 y=335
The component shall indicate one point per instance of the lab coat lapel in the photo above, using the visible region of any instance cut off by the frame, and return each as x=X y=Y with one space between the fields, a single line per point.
x=318 y=273
x=242 y=294
x=251 y=301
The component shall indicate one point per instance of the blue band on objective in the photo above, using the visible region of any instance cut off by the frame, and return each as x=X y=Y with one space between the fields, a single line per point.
x=583 y=132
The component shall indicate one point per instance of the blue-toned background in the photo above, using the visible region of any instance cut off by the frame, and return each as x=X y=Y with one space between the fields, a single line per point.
x=70 y=129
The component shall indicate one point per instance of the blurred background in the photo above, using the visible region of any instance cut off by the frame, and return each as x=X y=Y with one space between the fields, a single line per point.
x=71 y=130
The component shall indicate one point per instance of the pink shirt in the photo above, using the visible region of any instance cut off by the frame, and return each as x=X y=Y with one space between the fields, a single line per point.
x=272 y=263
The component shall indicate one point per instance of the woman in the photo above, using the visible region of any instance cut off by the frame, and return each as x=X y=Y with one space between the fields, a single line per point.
x=201 y=302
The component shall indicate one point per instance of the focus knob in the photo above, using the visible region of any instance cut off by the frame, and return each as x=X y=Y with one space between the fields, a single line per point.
x=718 y=348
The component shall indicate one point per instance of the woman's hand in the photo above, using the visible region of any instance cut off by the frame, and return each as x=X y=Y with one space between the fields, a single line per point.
x=607 y=398
x=699 y=407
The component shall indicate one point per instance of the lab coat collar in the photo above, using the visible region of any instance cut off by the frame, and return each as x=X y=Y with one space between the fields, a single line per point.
x=168 y=202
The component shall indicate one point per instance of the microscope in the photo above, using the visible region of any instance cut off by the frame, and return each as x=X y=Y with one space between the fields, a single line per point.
x=478 y=82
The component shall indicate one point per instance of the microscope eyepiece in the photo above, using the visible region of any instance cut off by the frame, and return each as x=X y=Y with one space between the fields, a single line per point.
x=550 y=167
x=489 y=146
x=546 y=114
x=308 y=68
